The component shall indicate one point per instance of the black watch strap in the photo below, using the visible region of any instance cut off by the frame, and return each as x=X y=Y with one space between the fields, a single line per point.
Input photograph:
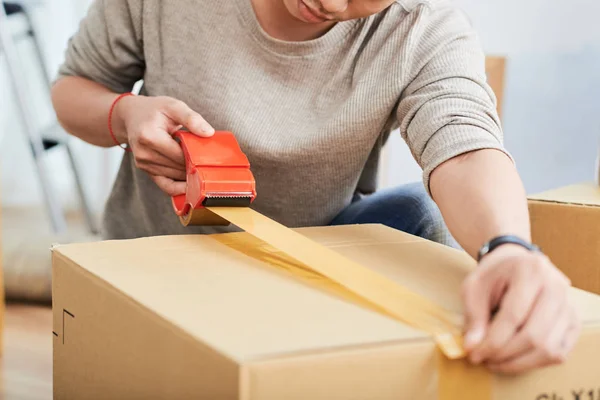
x=505 y=239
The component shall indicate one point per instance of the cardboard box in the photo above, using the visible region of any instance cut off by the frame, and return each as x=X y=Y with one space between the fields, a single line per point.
x=186 y=317
x=565 y=223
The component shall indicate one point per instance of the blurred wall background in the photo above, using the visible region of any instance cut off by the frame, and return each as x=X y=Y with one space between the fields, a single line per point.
x=550 y=110
x=551 y=99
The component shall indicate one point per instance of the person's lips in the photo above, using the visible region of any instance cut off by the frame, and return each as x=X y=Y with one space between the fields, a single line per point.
x=311 y=14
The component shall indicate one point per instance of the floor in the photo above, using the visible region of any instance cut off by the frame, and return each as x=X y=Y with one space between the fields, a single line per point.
x=26 y=239
x=26 y=359
x=26 y=266
x=27 y=355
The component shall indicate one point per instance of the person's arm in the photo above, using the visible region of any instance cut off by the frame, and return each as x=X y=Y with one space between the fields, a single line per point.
x=517 y=313
x=145 y=124
x=82 y=107
x=104 y=59
x=481 y=196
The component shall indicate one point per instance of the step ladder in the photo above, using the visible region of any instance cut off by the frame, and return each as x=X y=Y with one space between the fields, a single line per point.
x=50 y=138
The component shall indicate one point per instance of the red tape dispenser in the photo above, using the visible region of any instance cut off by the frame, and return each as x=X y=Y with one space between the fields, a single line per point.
x=218 y=175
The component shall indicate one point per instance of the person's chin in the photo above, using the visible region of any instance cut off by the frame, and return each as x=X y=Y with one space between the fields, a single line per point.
x=301 y=12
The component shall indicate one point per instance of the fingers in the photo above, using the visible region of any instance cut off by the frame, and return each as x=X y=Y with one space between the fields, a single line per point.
x=146 y=157
x=184 y=115
x=477 y=307
x=156 y=164
x=150 y=127
x=164 y=161
x=572 y=336
x=151 y=141
x=550 y=310
x=515 y=307
x=156 y=153
x=527 y=339
x=533 y=359
x=556 y=337
x=169 y=186
x=532 y=326
x=549 y=349
x=535 y=325
x=158 y=170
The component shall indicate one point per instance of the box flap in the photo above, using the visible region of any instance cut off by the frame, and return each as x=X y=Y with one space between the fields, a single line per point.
x=587 y=194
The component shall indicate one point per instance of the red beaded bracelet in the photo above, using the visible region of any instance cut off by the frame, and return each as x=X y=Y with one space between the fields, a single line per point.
x=110 y=130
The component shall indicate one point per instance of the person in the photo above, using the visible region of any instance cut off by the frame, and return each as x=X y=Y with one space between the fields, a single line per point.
x=312 y=89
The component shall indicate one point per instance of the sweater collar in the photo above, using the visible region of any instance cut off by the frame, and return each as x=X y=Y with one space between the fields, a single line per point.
x=331 y=39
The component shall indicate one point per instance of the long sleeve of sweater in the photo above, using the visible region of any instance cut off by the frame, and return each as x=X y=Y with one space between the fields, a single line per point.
x=447 y=107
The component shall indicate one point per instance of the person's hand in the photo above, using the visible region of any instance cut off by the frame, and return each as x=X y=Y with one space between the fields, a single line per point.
x=148 y=123
x=518 y=316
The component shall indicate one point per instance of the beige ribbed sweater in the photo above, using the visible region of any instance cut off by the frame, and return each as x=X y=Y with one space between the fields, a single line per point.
x=311 y=116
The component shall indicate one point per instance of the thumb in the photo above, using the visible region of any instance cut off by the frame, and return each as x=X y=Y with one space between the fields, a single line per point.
x=477 y=306
x=183 y=115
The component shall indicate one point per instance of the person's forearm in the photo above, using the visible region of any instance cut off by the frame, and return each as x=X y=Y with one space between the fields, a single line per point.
x=82 y=108
x=481 y=196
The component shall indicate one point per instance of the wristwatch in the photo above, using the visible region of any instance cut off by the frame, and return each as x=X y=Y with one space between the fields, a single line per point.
x=505 y=239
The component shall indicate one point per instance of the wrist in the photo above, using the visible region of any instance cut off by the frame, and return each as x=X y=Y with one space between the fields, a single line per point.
x=119 y=117
x=510 y=249
x=506 y=243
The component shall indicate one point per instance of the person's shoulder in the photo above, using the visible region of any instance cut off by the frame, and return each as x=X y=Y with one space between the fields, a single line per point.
x=418 y=6
x=438 y=15
x=427 y=12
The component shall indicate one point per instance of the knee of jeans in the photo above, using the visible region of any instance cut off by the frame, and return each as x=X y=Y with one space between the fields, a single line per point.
x=428 y=221
x=435 y=229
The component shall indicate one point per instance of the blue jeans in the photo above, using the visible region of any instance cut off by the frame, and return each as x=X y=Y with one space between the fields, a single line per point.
x=407 y=208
